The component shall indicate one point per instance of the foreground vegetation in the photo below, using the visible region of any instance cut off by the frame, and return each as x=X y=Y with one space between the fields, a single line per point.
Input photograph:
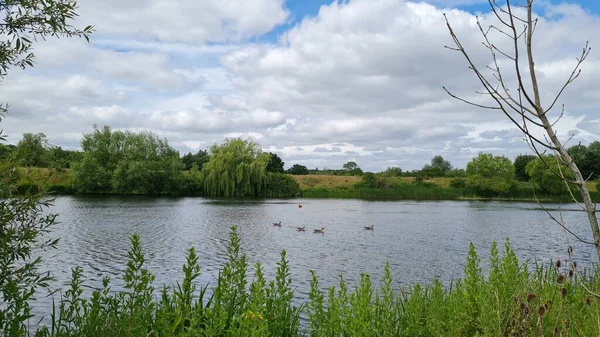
x=552 y=300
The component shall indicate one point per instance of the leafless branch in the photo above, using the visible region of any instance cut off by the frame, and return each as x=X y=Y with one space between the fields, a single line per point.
x=559 y=222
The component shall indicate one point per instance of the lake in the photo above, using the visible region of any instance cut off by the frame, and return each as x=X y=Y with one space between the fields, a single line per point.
x=420 y=239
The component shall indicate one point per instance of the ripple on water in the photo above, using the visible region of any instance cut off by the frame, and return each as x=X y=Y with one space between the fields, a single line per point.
x=420 y=240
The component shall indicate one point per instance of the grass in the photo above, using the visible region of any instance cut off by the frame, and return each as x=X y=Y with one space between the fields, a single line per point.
x=327 y=186
x=550 y=300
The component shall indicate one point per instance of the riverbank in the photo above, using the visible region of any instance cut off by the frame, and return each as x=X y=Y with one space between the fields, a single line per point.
x=59 y=182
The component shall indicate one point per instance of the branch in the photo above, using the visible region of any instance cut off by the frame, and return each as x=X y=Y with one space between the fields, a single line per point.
x=471 y=103
x=558 y=222
x=574 y=74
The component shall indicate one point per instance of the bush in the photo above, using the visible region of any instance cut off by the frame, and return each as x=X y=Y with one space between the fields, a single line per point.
x=458 y=183
x=281 y=185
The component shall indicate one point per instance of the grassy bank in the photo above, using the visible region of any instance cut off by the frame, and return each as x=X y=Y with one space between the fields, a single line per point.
x=552 y=300
x=329 y=186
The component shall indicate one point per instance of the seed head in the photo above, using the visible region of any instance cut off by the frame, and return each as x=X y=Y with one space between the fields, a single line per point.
x=558 y=264
x=531 y=297
x=541 y=310
x=563 y=291
x=560 y=278
x=570 y=273
x=588 y=301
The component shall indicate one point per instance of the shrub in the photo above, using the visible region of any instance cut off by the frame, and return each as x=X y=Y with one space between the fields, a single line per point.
x=458 y=183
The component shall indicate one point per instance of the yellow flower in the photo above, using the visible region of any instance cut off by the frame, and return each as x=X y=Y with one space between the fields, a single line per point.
x=260 y=316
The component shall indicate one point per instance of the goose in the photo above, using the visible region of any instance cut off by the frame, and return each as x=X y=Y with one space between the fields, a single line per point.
x=319 y=230
x=278 y=224
x=300 y=229
x=369 y=228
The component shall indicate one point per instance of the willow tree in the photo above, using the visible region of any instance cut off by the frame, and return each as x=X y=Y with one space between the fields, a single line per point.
x=516 y=93
x=236 y=168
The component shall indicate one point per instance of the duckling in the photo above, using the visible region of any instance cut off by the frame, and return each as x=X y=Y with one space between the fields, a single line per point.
x=370 y=228
x=319 y=230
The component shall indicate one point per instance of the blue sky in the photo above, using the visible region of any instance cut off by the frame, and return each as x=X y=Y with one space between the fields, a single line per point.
x=299 y=9
x=362 y=82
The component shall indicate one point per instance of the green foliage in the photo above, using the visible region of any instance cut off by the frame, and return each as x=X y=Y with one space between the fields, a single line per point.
x=438 y=168
x=200 y=158
x=587 y=159
x=458 y=183
x=520 y=165
x=126 y=163
x=281 y=185
x=546 y=172
x=275 y=164
x=298 y=169
x=488 y=174
x=236 y=168
x=352 y=168
x=368 y=181
x=393 y=171
x=24 y=222
x=25 y=21
x=32 y=150
x=510 y=301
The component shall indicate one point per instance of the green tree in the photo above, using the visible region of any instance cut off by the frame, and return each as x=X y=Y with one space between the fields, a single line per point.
x=587 y=159
x=199 y=158
x=32 y=150
x=298 y=169
x=546 y=171
x=23 y=220
x=393 y=171
x=236 y=168
x=27 y=21
x=488 y=174
x=520 y=165
x=275 y=164
x=126 y=163
x=352 y=168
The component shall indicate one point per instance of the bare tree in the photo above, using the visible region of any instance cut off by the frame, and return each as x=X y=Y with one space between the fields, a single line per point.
x=523 y=106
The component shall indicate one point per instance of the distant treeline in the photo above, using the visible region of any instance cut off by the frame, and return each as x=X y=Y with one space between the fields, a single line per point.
x=125 y=162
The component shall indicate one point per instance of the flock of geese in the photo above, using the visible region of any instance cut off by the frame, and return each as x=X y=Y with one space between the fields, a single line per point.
x=319 y=230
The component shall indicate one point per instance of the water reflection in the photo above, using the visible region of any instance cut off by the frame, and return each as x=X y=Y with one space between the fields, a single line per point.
x=420 y=240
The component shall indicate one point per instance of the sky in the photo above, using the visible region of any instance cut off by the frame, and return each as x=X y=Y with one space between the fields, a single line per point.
x=320 y=83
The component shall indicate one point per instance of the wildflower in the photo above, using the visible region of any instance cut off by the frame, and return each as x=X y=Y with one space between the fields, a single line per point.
x=260 y=316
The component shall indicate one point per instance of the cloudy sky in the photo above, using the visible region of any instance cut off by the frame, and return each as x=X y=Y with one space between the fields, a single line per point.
x=317 y=82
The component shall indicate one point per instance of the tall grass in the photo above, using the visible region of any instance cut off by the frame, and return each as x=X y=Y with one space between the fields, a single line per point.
x=554 y=300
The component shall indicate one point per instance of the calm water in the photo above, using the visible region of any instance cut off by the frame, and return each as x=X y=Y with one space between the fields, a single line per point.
x=421 y=240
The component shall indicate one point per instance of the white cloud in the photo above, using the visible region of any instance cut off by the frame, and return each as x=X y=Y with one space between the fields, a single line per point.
x=361 y=80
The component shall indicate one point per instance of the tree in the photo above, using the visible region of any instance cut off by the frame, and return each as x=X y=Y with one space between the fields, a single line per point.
x=298 y=169
x=439 y=164
x=520 y=164
x=438 y=168
x=275 y=164
x=236 y=168
x=393 y=171
x=587 y=159
x=352 y=168
x=26 y=21
x=22 y=218
x=32 y=150
x=200 y=158
x=488 y=174
x=126 y=163
x=523 y=105
x=544 y=176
